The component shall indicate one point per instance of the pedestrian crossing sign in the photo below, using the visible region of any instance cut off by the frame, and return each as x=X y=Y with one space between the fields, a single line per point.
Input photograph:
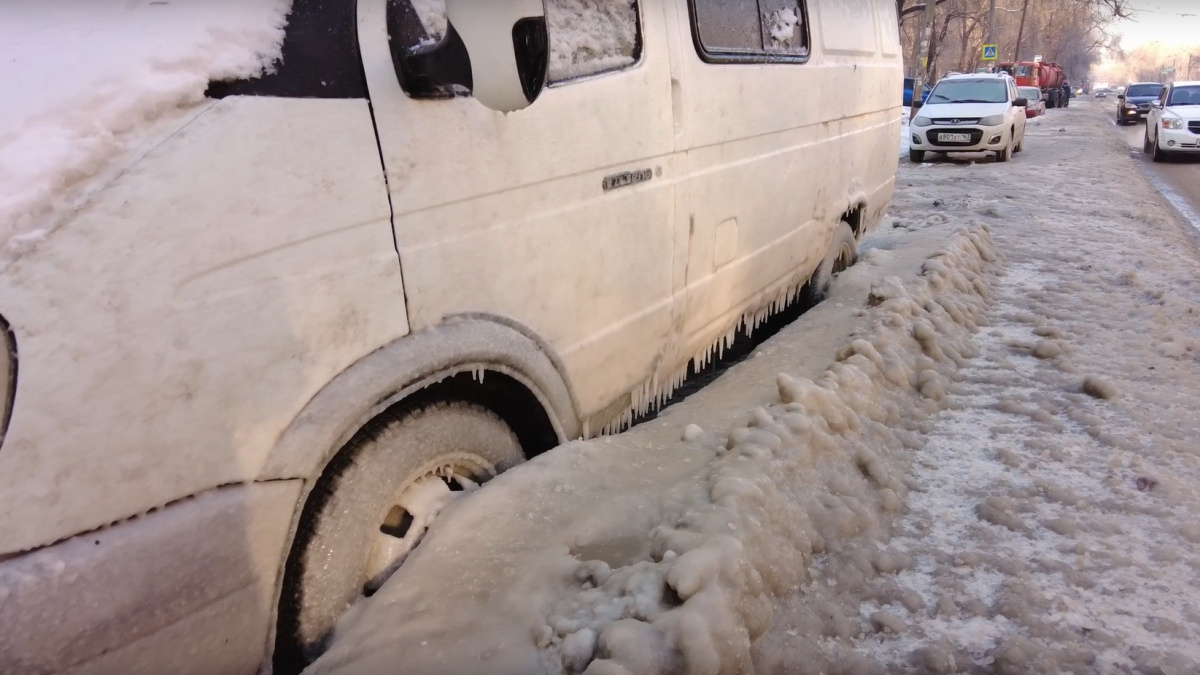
x=991 y=52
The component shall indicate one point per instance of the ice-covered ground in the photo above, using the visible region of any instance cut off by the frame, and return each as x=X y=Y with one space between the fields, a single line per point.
x=86 y=81
x=977 y=456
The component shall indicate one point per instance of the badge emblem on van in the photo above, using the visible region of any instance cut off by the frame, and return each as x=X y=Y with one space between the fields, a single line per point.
x=620 y=180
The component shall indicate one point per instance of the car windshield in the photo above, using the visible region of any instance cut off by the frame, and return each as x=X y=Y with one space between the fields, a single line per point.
x=1144 y=90
x=1024 y=71
x=969 y=91
x=1185 y=96
x=1031 y=93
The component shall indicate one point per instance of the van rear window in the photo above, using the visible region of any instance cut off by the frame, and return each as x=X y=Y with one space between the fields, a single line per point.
x=750 y=30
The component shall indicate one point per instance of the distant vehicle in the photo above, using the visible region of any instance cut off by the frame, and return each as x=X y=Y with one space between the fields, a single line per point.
x=910 y=87
x=1134 y=104
x=1173 y=125
x=1102 y=93
x=1036 y=105
x=1048 y=77
x=970 y=113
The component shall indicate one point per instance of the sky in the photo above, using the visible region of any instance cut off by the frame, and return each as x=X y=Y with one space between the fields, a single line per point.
x=1173 y=22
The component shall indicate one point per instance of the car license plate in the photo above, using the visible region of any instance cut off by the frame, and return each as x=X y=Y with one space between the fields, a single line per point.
x=955 y=138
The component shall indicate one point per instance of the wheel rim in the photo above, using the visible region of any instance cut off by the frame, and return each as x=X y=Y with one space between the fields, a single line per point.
x=411 y=512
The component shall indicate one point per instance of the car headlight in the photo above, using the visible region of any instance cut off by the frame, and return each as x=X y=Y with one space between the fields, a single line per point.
x=1130 y=106
x=992 y=120
x=1172 y=123
x=922 y=121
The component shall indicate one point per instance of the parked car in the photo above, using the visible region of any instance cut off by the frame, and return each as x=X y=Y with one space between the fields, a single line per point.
x=970 y=113
x=1173 y=125
x=1035 y=105
x=255 y=363
x=1134 y=104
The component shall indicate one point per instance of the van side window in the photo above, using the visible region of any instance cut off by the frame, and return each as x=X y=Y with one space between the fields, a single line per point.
x=750 y=30
x=587 y=37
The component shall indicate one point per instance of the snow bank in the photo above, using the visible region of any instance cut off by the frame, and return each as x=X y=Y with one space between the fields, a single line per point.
x=684 y=576
x=806 y=476
x=88 y=77
x=586 y=36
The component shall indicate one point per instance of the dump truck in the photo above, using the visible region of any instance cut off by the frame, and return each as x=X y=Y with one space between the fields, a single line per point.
x=1048 y=77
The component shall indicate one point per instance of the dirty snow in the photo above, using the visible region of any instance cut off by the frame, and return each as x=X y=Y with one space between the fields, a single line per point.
x=119 y=66
x=976 y=456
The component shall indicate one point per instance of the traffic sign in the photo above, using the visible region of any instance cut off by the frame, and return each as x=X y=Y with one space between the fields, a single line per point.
x=1037 y=59
x=991 y=52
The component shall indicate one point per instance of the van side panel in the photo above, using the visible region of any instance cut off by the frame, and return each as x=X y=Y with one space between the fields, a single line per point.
x=175 y=327
x=776 y=154
x=508 y=214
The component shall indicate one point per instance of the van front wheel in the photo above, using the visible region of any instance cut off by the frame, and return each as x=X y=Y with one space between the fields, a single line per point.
x=372 y=507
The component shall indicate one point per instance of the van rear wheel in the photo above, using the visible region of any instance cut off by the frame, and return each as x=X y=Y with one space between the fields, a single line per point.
x=842 y=253
x=372 y=507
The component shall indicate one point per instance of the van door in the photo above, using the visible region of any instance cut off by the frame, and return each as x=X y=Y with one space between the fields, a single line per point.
x=753 y=142
x=559 y=217
x=786 y=107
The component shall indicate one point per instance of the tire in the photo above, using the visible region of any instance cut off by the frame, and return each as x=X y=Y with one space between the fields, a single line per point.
x=842 y=253
x=1157 y=154
x=357 y=497
x=916 y=156
x=1146 y=148
x=1005 y=153
x=1020 y=145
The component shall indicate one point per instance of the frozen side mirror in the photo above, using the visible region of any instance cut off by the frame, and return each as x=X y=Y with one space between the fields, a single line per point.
x=1020 y=102
x=507 y=47
x=1156 y=103
x=499 y=50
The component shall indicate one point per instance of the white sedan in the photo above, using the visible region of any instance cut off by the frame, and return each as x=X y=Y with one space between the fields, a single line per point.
x=1173 y=124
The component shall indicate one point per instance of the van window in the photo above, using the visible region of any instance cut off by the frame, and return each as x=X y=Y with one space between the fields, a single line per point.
x=587 y=37
x=750 y=30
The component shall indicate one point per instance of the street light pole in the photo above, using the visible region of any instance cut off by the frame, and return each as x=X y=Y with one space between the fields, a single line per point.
x=991 y=27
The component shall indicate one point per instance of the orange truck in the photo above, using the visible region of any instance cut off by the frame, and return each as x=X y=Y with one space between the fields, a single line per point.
x=1048 y=77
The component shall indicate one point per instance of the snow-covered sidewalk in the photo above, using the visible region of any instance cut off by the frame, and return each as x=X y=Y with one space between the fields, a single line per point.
x=977 y=456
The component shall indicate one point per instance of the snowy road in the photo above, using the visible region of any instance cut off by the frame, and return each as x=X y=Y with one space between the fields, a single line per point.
x=1178 y=178
x=978 y=456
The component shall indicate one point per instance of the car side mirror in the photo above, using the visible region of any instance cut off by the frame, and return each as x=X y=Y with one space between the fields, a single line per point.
x=497 y=49
x=1156 y=104
x=1020 y=102
x=917 y=105
x=1120 y=97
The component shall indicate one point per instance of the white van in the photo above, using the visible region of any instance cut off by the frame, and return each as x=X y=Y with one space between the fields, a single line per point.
x=247 y=373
